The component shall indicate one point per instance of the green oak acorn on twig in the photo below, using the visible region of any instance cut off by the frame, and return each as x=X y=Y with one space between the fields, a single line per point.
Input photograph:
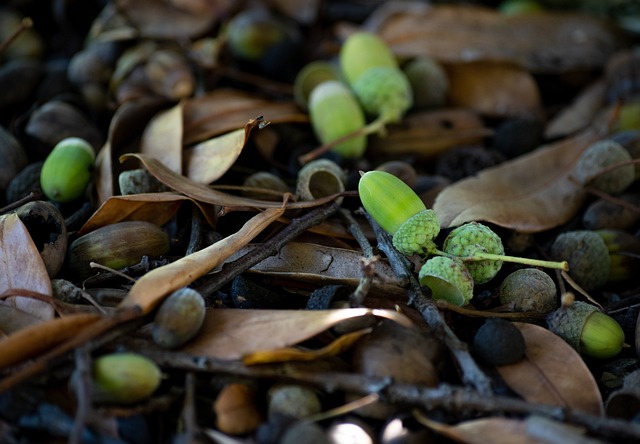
x=472 y=252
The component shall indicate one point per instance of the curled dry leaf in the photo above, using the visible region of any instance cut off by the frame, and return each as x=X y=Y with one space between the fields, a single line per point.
x=544 y=42
x=552 y=373
x=494 y=89
x=22 y=268
x=235 y=333
x=529 y=194
x=482 y=431
x=162 y=138
x=580 y=113
x=222 y=110
x=157 y=208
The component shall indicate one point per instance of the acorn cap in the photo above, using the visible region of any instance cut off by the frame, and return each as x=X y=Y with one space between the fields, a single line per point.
x=416 y=235
x=388 y=200
x=448 y=280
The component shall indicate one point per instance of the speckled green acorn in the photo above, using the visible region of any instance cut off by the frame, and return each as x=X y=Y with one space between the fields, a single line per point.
x=587 y=255
x=400 y=212
x=482 y=251
x=587 y=329
x=179 y=318
x=335 y=112
x=66 y=172
x=449 y=280
x=599 y=156
x=124 y=378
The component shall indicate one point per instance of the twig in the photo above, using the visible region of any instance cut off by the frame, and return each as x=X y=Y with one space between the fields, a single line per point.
x=471 y=372
x=296 y=227
x=356 y=299
x=32 y=196
x=82 y=388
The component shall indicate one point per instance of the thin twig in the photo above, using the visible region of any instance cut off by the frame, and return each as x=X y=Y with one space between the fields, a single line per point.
x=356 y=299
x=82 y=388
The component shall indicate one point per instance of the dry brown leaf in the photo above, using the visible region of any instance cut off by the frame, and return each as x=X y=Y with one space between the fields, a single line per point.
x=428 y=133
x=157 y=208
x=151 y=289
x=340 y=345
x=234 y=333
x=545 y=42
x=22 y=268
x=203 y=193
x=486 y=430
x=529 y=194
x=13 y=319
x=224 y=110
x=157 y=19
x=39 y=338
x=580 y=113
x=207 y=161
x=162 y=138
x=494 y=89
x=552 y=373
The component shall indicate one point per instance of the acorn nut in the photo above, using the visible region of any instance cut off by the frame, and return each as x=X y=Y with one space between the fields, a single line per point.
x=499 y=342
x=117 y=246
x=335 y=112
x=599 y=156
x=179 y=318
x=529 y=289
x=588 y=330
x=400 y=212
x=67 y=170
x=124 y=378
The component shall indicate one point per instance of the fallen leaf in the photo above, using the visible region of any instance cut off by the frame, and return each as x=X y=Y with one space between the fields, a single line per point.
x=13 y=319
x=31 y=341
x=224 y=110
x=151 y=289
x=494 y=89
x=150 y=18
x=22 y=268
x=157 y=208
x=203 y=193
x=481 y=431
x=580 y=113
x=207 y=161
x=544 y=42
x=339 y=345
x=530 y=193
x=235 y=333
x=162 y=138
x=552 y=373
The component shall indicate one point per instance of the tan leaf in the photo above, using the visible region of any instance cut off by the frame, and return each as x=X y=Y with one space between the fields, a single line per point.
x=22 y=268
x=529 y=194
x=234 y=333
x=580 y=113
x=154 y=286
x=224 y=110
x=207 y=161
x=157 y=208
x=162 y=138
x=545 y=42
x=203 y=193
x=165 y=20
x=13 y=319
x=428 y=133
x=495 y=89
x=486 y=430
x=42 y=337
x=552 y=373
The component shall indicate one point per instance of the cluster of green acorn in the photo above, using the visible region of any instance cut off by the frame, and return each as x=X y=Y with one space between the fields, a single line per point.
x=471 y=254
x=370 y=83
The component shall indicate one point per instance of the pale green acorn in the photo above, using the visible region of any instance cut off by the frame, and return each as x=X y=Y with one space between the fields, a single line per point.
x=588 y=330
x=449 y=280
x=400 y=212
x=124 y=378
x=67 y=170
x=335 y=112
x=363 y=51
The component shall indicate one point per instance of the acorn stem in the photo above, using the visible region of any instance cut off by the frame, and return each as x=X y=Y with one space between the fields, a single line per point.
x=377 y=126
x=481 y=256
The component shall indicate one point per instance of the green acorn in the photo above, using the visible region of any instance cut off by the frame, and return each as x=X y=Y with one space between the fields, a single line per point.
x=588 y=330
x=67 y=170
x=400 y=212
x=124 y=378
x=363 y=51
x=335 y=112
